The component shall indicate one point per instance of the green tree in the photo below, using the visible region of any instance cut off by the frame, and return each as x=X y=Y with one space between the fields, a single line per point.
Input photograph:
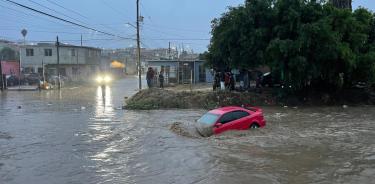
x=307 y=43
x=7 y=53
x=241 y=35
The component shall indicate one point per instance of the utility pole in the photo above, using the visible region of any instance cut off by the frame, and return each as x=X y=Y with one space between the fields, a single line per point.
x=2 y=87
x=24 y=33
x=169 y=51
x=139 y=50
x=58 y=62
x=81 y=40
x=43 y=72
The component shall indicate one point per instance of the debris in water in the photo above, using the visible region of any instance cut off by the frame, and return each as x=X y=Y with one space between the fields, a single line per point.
x=19 y=107
x=83 y=108
x=182 y=130
x=345 y=106
x=4 y=135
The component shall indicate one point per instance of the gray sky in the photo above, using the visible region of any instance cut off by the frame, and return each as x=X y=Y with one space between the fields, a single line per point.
x=180 y=22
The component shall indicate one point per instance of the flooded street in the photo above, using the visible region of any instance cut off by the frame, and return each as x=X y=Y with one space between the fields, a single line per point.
x=80 y=135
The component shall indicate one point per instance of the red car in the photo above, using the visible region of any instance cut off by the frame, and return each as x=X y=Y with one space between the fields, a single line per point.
x=230 y=118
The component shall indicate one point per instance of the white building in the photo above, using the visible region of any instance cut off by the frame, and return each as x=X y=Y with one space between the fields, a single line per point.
x=76 y=62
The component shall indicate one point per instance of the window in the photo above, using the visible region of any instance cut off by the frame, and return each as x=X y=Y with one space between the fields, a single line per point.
x=47 y=52
x=208 y=119
x=29 y=52
x=240 y=114
x=231 y=116
x=73 y=52
x=228 y=117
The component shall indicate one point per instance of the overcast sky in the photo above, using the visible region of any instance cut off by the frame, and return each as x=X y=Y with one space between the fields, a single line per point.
x=181 y=22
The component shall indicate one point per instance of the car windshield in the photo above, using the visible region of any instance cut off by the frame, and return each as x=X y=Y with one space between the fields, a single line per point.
x=208 y=119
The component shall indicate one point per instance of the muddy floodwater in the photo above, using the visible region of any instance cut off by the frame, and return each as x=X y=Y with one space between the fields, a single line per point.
x=80 y=135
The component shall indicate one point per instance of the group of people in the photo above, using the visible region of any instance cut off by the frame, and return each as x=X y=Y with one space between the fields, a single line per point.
x=224 y=80
x=150 y=75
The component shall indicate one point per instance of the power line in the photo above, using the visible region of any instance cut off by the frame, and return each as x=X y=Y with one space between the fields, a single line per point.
x=106 y=27
x=27 y=15
x=56 y=11
x=160 y=27
x=67 y=9
x=43 y=31
x=112 y=8
x=61 y=19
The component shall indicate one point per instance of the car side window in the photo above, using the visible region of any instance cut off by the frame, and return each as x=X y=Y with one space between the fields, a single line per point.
x=231 y=116
x=228 y=117
x=240 y=114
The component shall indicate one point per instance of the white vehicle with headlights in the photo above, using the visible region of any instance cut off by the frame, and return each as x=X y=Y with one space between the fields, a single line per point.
x=103 y=79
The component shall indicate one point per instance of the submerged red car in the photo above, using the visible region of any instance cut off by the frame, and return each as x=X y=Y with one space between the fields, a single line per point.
x=230 y=118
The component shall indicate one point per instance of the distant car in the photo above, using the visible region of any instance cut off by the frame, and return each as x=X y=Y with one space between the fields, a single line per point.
x=12 y=80
x=230 y=118
x=103 y=79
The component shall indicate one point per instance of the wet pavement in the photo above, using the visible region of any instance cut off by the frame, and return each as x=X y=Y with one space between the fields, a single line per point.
x=80 y=135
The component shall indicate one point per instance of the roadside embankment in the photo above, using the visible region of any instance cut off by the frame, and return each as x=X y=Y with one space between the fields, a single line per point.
x=173 y=98
x=169 y=99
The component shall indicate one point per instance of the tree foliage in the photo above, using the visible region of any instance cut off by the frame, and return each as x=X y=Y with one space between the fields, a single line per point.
x=307 y=43
x=7 y=53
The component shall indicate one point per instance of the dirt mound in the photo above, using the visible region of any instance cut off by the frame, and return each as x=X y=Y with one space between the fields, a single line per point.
x=167 y=99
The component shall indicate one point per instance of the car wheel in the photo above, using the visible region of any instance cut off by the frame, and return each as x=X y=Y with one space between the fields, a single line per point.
x=254 y=126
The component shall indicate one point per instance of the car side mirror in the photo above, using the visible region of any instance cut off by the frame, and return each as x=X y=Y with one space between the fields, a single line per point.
x=218 y=125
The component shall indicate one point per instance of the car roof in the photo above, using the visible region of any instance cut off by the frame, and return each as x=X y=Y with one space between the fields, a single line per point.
x=224 y=110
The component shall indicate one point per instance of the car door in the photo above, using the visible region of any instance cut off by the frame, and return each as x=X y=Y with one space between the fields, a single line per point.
x=231 y=121
x=240 y=121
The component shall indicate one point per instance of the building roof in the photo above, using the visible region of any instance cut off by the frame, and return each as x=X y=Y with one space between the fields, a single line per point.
x=61 y=45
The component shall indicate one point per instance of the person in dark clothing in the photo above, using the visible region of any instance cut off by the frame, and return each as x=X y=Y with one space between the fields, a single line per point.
x=161 y=79
x=149 y=77
x=216 y=83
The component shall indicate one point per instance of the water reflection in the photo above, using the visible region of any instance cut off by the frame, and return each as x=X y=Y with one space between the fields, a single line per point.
x=101 y=122
x=104 y=103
